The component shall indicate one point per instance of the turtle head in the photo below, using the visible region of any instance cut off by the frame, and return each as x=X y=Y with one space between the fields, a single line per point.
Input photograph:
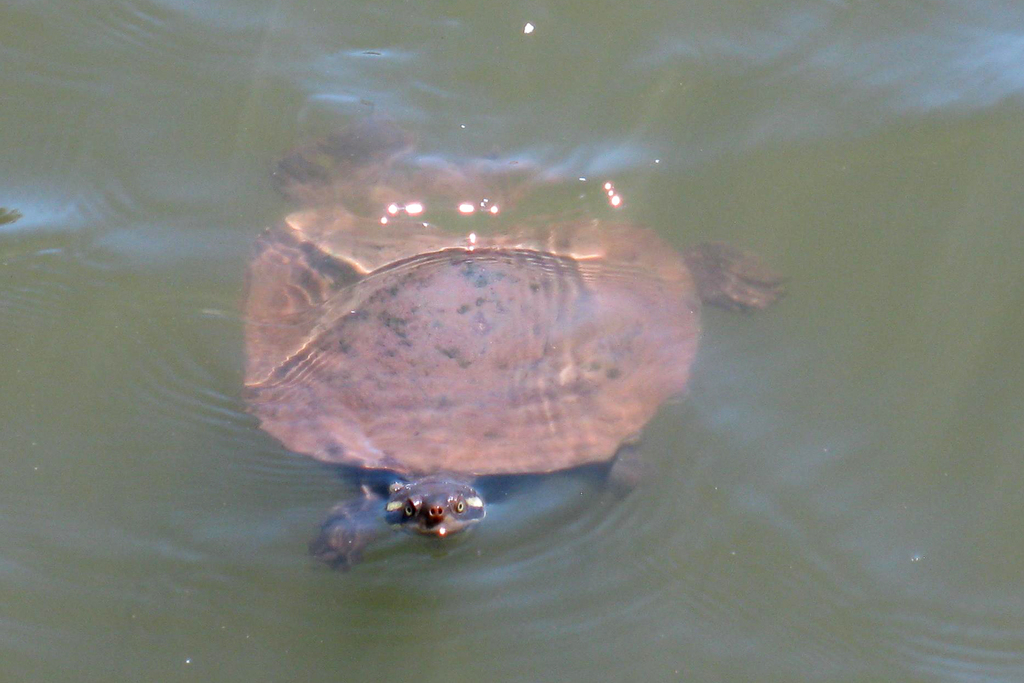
x=434 y=506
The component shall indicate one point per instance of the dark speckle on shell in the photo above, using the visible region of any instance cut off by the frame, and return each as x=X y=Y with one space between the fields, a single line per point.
x=421 y=367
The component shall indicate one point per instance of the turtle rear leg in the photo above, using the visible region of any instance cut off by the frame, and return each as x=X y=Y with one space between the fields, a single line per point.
x=732 y=278
x=370 y=164
x=357 y=154
x=348 y=529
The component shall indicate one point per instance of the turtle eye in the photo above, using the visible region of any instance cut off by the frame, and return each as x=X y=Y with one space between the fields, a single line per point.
x=460 y=506
x=410 y=508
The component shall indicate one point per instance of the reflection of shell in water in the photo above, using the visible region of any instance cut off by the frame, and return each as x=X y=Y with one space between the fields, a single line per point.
x=404 y=349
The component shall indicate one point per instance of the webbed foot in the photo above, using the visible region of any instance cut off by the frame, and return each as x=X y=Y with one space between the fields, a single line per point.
x=348 y=529
x=732 y=278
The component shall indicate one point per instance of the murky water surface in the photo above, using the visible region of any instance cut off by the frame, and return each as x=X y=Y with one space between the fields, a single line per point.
x=838 y=498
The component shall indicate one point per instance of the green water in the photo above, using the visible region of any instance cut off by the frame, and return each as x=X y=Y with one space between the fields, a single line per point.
x=837 y=499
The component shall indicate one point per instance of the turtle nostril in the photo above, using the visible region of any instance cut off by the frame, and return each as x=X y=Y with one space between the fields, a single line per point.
x=436 y=511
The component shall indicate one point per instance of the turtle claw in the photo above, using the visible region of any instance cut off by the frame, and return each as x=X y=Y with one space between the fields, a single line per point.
x=350 y=527
x=732 y=278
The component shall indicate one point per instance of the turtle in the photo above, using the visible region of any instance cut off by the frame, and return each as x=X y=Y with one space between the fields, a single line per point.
x=426 y=359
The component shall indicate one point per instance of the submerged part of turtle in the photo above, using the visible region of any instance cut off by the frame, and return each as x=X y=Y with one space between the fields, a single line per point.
x=441 y=357
x=9 y=215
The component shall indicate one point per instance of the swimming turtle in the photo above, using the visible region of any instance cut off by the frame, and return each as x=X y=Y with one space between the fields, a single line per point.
x=397 y=347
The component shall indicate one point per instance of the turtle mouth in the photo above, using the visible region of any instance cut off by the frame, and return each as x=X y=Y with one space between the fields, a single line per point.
x=435 y=526
x=439 y=530
x=439 y=527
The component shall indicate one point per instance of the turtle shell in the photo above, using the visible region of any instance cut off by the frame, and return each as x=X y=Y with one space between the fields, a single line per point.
x=406 y=348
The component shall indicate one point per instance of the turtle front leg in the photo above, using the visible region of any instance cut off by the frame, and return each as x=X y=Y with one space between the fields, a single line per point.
x=732 y=278
x=627 y=469
x=348 y=529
